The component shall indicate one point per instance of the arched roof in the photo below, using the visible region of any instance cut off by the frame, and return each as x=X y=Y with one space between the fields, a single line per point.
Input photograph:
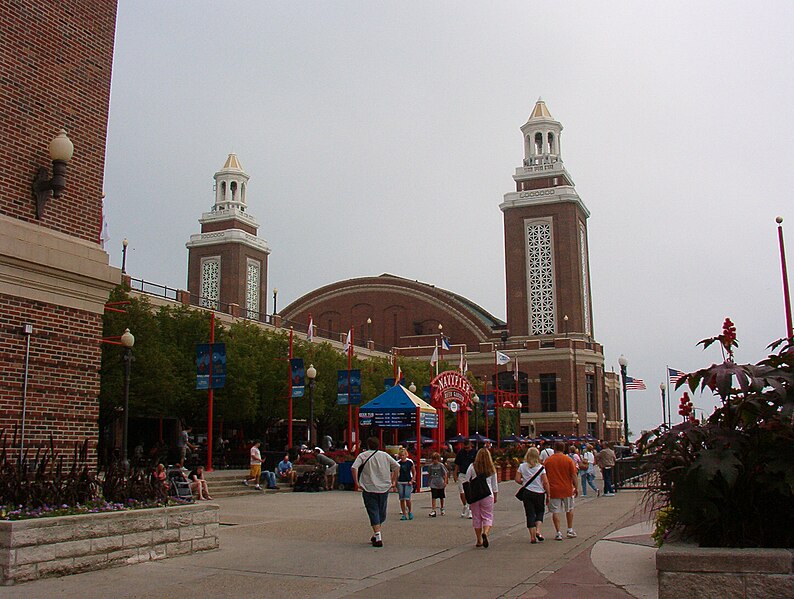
x=403 y=312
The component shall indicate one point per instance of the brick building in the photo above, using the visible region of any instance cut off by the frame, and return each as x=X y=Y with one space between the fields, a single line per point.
x=561 y=380
x=54 y=275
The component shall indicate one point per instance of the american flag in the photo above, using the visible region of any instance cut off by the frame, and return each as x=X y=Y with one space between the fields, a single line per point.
x=635 y=383
x=675 y=375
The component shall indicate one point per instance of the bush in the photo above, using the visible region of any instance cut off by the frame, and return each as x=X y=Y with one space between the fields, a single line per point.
x=728 y=481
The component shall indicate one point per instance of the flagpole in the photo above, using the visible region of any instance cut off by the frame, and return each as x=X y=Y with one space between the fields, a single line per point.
x=496 y=394
x=349 y=406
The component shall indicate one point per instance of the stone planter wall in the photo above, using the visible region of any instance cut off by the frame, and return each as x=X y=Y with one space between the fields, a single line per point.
x=686 y=570
x=36 y=548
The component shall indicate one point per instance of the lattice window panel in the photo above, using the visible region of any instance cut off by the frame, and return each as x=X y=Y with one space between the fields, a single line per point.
x=210 y=283
x=252 y=289
x=585 y=278
x=540 y=271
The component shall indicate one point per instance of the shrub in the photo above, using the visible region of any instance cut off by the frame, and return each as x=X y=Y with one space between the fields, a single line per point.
x=728 y=481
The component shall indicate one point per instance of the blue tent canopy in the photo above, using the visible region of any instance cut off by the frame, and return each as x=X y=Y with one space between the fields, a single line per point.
x=396 y=408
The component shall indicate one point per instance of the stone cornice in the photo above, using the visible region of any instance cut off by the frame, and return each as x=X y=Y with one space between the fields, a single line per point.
x=548 y=195
x=228 y=236
x=40 y=264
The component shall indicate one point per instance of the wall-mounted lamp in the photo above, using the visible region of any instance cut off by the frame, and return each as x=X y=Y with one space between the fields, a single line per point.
x=61 y=150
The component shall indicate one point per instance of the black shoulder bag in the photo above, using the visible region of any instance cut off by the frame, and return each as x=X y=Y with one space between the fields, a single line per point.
x=522 y=492
x=476 y=489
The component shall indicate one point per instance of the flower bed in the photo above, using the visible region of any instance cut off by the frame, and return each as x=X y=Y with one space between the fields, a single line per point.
x=58 y=545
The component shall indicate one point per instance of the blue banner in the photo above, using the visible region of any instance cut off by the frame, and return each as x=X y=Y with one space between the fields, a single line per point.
x=297 y=376
x=215 y=355
x=343 y=395
x=426 y=394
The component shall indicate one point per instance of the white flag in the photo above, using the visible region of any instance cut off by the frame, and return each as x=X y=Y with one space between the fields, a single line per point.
x=515 y=374
x=463 y=365
x=348 y=340
x=434 y=357
x=310 y=333
x=399 y=376
x=501 y=359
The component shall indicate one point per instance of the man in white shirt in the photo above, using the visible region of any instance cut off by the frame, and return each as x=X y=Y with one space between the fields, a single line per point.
x=375 y=474
x=256 y=466
x=547 y=451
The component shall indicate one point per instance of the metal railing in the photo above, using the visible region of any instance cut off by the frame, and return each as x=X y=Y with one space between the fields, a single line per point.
x=629 y=473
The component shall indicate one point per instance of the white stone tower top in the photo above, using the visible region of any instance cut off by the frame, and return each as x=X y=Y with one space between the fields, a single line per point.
x=541 y=136
x=231 y=184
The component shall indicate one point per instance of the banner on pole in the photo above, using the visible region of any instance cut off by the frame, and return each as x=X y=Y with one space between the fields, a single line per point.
x=343 y=395
x=297 y=376
x=216 y=352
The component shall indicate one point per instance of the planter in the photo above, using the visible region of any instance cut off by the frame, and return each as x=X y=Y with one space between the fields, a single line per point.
x=41 y=547
x=686 y=570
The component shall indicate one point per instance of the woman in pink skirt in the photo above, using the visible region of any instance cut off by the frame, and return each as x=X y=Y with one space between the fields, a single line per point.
x=482 y=511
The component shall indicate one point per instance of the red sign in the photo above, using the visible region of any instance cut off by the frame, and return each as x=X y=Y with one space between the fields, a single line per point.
x=451 y=386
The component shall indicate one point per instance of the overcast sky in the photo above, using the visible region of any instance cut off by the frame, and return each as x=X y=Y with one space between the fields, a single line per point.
x=382 y=136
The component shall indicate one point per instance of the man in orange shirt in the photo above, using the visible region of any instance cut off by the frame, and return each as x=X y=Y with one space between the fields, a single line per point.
x=561 y=472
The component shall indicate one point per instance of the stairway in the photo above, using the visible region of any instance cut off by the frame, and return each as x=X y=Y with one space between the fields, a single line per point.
x=228 y=483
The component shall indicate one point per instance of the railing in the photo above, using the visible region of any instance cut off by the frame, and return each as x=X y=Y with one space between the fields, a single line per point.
x=629 y=473
x=154 y=289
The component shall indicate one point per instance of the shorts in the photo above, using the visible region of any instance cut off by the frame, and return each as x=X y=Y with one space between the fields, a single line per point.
x=375 y=504
x=438 y=494
x=460 y=484
x=558 y=506
x=404 y=490
x=331 y=470
x=256 y=470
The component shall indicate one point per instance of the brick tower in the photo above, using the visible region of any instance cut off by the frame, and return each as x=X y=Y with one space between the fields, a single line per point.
x=227 y=262
x=546 y=258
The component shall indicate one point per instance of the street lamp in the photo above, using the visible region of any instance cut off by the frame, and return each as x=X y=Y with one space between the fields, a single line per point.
x=786 y=296
x=663 y=389
x=412 y=387
x=476 y=401
x=124 y=244
x=532 y=428
x=127 y=341
x=311 y=373
x=623 y=364
x=275 y=295
x=369 y=326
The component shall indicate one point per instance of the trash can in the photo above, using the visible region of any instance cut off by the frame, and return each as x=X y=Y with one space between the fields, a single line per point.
x=344 y=476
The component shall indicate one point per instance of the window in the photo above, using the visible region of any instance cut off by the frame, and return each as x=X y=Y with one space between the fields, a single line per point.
x=590 y=392
x=540 y=277
x=252 y=289
x=538 y=143
x=606 y=406
x=210 y=282
x=591 y=429
x=548 y=392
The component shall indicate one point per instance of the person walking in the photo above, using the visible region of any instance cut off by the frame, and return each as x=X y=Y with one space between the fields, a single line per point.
x=405 y=484
x=463 y=460
x=562 y=474
x=606 y=460
x=255 y=462
x=587 y=471
x=439 y=476
x=482 y=511
x=375 y=474
x=531 y=475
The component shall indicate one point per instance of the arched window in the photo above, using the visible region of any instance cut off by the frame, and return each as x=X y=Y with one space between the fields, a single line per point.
x=233 y=188
x=242 y=192
x=552 y=147
x=538 y=143
x=223 y=190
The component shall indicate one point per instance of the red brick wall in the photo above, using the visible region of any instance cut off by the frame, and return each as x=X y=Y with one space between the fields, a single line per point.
x=55 y=62
x=63 y=371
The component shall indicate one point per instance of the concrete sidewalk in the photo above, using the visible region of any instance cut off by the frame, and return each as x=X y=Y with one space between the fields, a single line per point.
x=288 y=545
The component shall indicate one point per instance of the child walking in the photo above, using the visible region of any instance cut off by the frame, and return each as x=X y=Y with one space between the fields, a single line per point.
x=439 y=476
x=405 y=484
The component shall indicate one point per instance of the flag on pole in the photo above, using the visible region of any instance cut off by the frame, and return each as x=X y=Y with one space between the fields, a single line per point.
x=399 y=376
x=348 y=340
x=463 y=365
x=445 y=344
x=310 y=332
x=434 y=357
x=501 y=359
x=635 y=383
x=515 y=374
x=675 y=375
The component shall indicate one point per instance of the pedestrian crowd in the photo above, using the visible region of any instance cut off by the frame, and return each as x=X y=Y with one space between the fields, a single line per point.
x=549 y=481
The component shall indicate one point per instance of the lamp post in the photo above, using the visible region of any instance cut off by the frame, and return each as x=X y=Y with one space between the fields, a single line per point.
x=786 y=296
x=623 y=364
x=412 y=387
x=369 y=327
x=663 y=389
x=275 y=296
x=532 y=428
x=124 y=244
x=311 y=373
x=476 y=402
x=44 y=186
x=127 y=341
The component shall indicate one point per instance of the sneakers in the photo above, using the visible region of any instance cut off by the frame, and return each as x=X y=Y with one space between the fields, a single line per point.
x=609 y=494
x=433 y=514
x=443 y=513
x=463 y=512
x=469 y=515
x=558 y=536
x=403 y=517
x=571 y=533
x=245 y=482
x=410 y=515
x=258 y=488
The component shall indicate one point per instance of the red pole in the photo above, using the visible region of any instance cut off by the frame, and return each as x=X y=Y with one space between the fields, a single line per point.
x=418 y=449
x=349 y=407
x=496 y=395
x=485 y=405
x=289 y=391
x=786 y=296
x=209 y=409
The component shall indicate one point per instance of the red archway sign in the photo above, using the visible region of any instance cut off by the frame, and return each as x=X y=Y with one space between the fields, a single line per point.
x=445 y=388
